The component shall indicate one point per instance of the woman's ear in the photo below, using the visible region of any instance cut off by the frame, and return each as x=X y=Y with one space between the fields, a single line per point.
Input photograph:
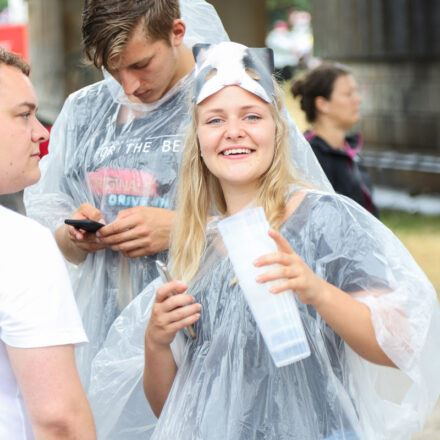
x=321 y=104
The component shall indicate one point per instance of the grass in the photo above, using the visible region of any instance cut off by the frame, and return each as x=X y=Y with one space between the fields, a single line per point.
x=411 y=223
x=421 y=235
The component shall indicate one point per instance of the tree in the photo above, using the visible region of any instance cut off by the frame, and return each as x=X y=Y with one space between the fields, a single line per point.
x=280 y=9
x=3 y=4
x=302 y=5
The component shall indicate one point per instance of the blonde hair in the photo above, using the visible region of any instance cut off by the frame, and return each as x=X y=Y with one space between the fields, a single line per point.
x=199 y=191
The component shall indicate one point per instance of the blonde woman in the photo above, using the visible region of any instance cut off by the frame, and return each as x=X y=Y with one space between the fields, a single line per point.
x=370 y=315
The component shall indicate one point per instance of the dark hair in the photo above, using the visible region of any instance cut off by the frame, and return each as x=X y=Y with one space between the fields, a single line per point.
x=318 y=82
x=108 y=24
x=14 y=60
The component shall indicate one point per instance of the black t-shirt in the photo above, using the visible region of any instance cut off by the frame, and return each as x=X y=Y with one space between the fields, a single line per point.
x=117 y=166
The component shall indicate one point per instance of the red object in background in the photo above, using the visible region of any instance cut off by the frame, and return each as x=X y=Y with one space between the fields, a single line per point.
x=44 y=145
x=14 y=38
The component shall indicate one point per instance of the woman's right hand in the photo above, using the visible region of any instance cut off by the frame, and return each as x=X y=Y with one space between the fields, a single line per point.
x=171 y=313
x=173 y=309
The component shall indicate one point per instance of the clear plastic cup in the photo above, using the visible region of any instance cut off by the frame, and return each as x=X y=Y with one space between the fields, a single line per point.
x=246 y=238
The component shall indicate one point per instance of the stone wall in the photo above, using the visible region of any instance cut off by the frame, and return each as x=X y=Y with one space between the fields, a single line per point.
x=400 y=108
x=245 y=21
x=56 y=57
x=377 y=29
x=393 y=49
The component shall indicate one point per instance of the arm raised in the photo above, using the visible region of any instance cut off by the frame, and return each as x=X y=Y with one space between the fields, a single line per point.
x=349 y=318
x=169 y=315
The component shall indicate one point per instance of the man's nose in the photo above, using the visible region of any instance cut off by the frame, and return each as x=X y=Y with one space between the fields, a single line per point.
x=129 y=81
x=39 y=132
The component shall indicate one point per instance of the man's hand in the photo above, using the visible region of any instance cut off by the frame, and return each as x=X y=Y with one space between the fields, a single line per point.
x=85 y=212
x=138 y=231
x=76 y=244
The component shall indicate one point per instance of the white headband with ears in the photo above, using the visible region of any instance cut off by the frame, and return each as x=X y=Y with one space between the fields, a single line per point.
x=228 y=63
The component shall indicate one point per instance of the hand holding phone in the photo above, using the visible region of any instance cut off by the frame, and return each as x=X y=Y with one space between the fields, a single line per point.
x=166 y=278
x=84 y=224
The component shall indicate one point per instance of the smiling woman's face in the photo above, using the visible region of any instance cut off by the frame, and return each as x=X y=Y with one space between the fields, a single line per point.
x=236 y=132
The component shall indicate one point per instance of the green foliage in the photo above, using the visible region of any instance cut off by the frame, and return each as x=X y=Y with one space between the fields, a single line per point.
x=302 y=5
x=3 y=4
x=279 y=9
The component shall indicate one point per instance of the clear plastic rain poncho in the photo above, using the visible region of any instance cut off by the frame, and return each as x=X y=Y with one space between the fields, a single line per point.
x=114 y=165
x=227 y=386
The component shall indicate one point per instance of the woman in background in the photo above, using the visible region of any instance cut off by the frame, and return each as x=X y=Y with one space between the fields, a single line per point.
x=331 y=100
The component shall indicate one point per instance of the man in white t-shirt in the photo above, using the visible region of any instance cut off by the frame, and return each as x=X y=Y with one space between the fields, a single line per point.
x=40 y=392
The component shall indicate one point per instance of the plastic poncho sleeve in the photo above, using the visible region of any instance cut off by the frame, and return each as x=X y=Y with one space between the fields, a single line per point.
x=357 y=253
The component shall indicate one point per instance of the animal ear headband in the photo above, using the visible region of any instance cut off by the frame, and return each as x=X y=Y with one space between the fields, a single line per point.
x=227 y=64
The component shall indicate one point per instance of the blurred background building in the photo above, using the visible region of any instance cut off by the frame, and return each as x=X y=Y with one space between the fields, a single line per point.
x=393 y=48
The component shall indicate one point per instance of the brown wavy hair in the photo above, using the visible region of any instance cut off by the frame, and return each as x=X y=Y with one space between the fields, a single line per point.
x=14 y=60
x=318 y=82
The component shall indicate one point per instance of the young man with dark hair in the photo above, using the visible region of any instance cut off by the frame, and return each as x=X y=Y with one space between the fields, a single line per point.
x=115 y=152
x=140 y=45
x=107 y=29
x=41 y=394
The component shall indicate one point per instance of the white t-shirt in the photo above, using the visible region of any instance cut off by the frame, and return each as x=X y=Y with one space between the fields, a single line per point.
x=37 y=307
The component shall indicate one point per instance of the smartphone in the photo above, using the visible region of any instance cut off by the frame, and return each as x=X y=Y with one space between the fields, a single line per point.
x=166 y=278
x=85 y=225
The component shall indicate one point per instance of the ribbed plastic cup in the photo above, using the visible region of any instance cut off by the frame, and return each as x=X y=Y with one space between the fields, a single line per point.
x=246 y=238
